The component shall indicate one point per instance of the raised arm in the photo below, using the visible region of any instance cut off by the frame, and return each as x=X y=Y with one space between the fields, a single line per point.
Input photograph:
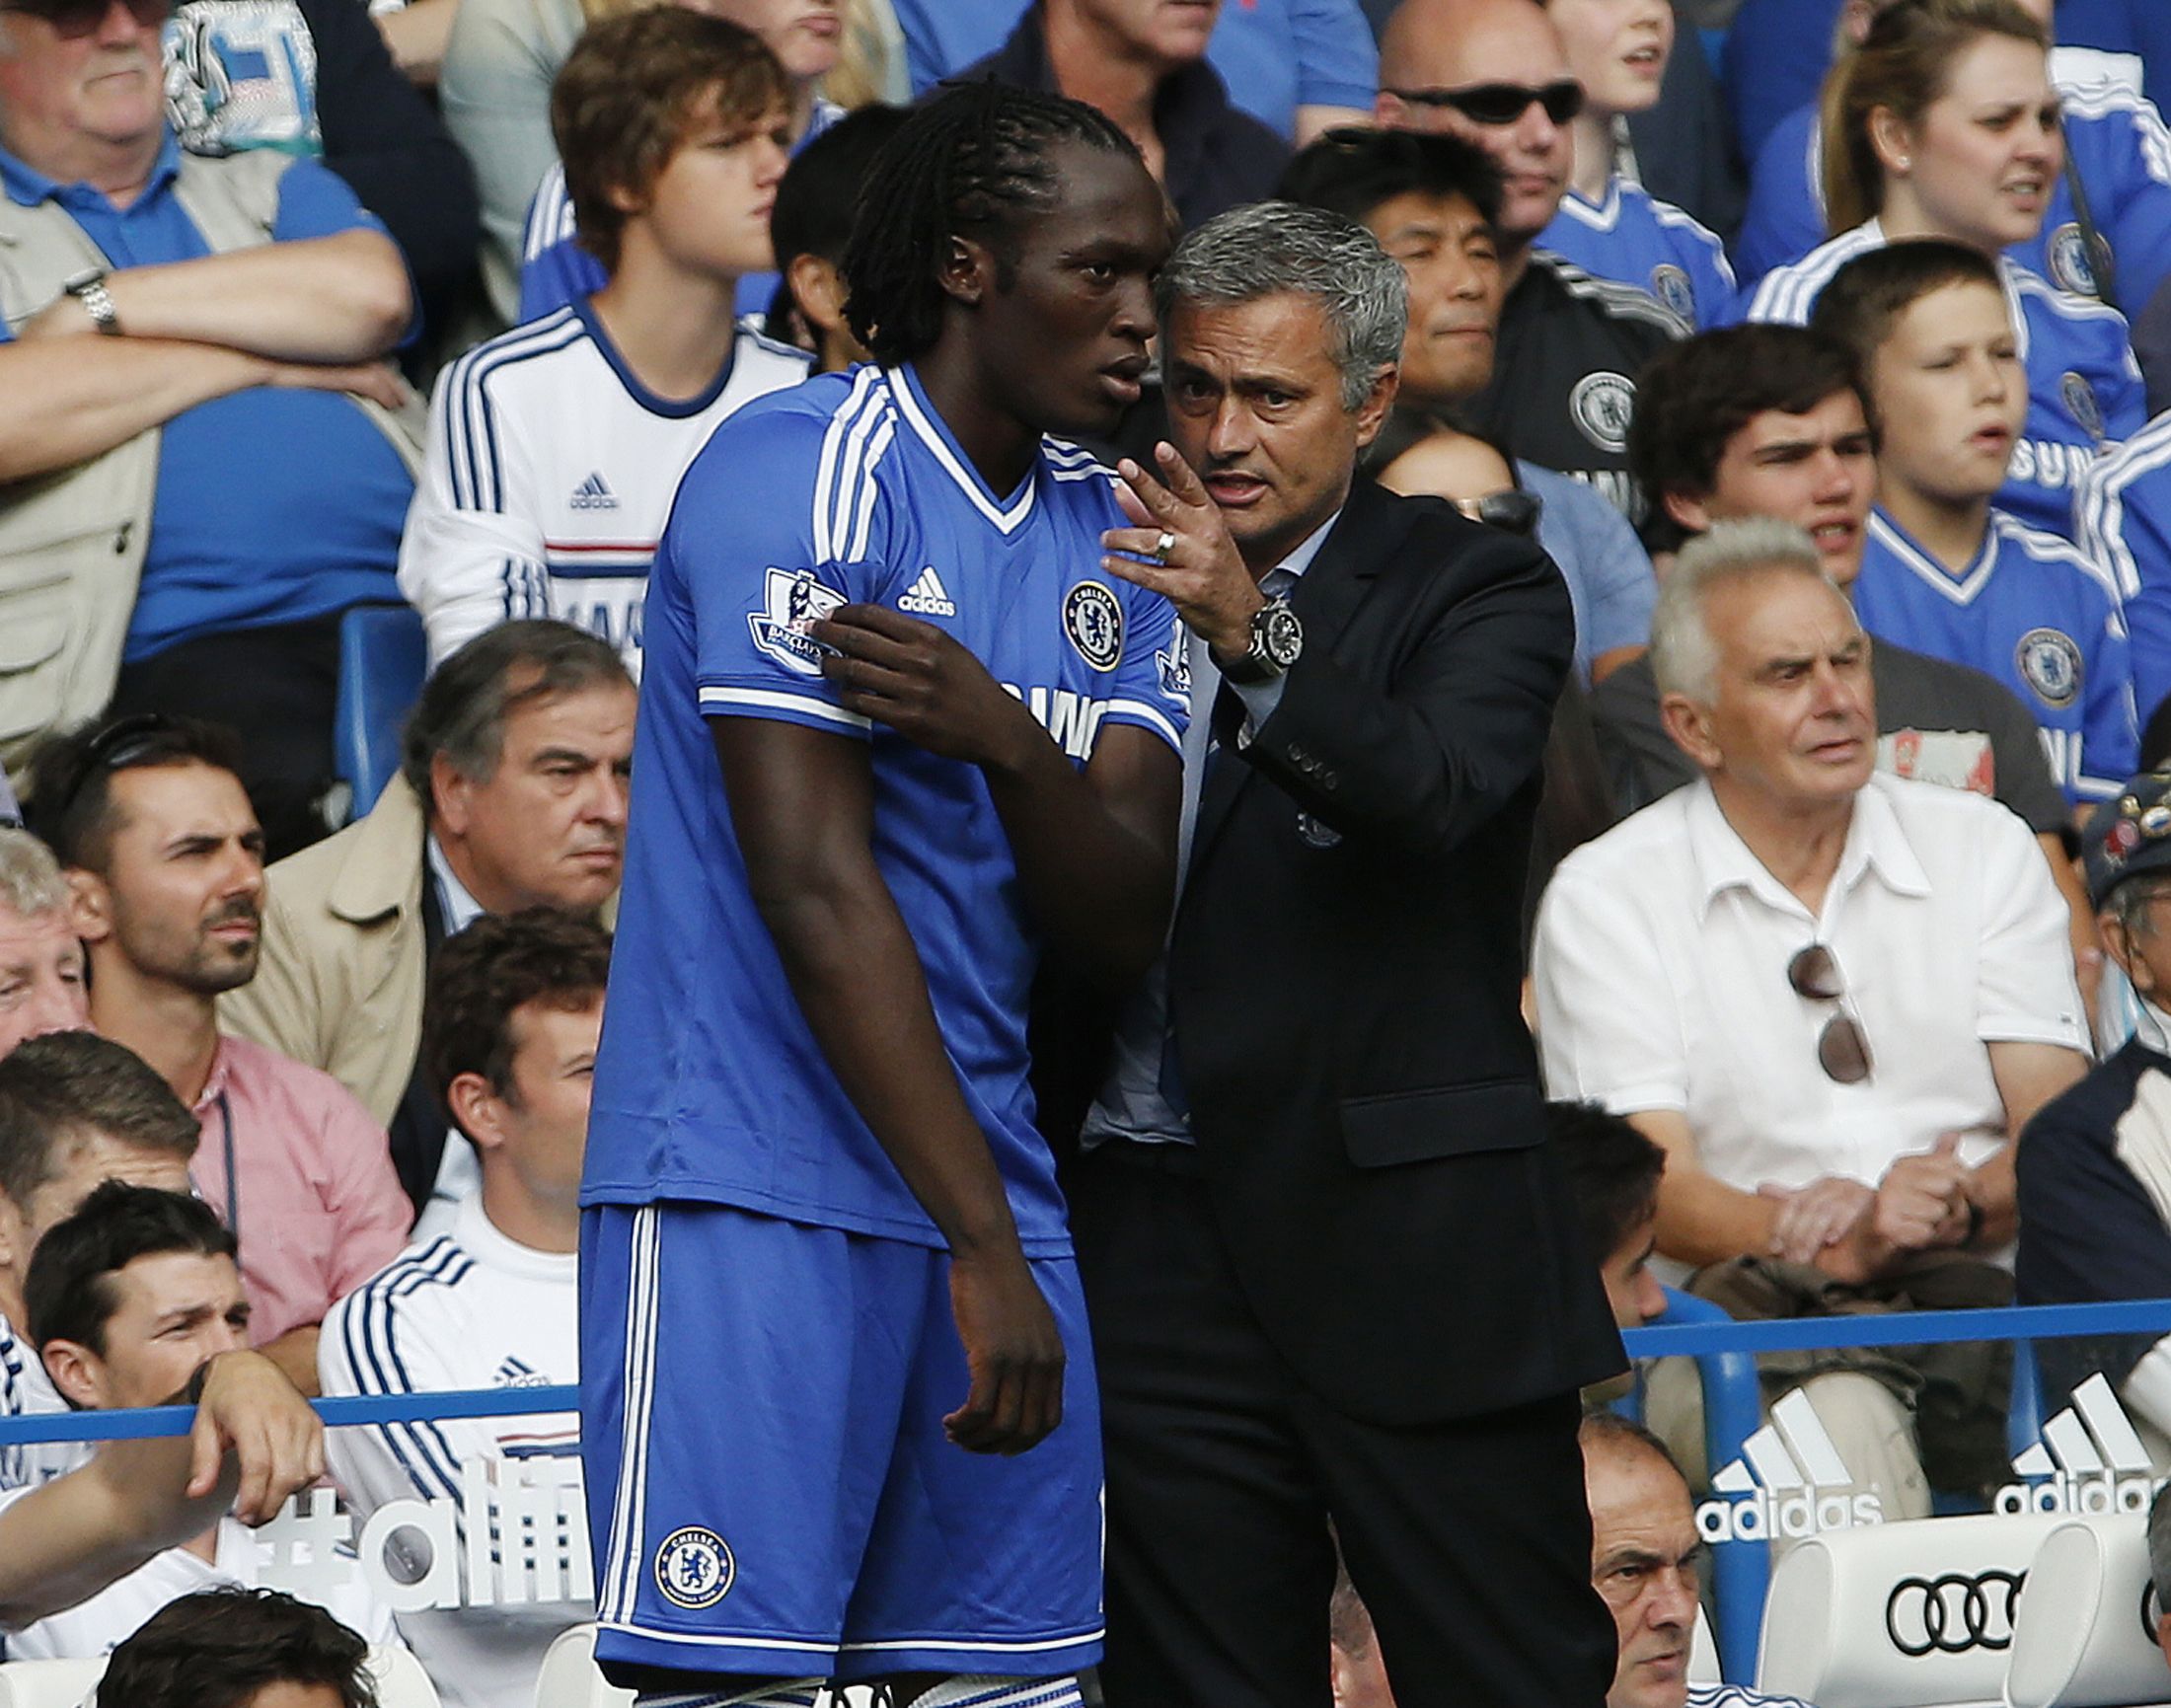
x=256 y=1441
x=802 y=805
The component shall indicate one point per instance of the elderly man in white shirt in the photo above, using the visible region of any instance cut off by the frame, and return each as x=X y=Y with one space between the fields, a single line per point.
x=1829 y=993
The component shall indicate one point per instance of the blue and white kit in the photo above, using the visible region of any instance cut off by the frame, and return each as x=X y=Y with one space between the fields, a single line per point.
x=2035 y=614
x=2085 y=389
x=548 y=472
x=2123 y=508
x=1632 y=237
x=767 y=1346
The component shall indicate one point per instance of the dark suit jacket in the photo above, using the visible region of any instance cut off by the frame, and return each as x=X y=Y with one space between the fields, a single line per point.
x=1345 y=976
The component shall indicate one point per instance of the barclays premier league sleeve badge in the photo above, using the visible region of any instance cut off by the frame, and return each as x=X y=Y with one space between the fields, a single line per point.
x=793 y=602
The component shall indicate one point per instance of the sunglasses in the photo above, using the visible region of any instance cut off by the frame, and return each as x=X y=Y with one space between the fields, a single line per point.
x=72 y=20
x=1842 y=1049
x=1501 y=103
x=1514 y=511
x=119 y=745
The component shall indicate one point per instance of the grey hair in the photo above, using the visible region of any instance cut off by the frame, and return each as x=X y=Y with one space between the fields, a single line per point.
x=1272 y=247
x=2130 y=902
x=466 y=701
x=30 y=884
x=1684 y=659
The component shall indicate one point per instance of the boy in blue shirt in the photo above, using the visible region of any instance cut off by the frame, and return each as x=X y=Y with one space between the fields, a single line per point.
x=823 y=1249
x=1945 y=572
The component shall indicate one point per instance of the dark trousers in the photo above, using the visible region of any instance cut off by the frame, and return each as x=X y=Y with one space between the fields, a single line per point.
x=1469 y=1540
x=277 y=687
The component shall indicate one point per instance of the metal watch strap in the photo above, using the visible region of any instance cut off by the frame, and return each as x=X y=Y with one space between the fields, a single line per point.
x=90 y=290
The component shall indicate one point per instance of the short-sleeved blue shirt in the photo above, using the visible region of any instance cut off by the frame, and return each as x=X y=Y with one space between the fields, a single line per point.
x=709 y=1085
x=271 y=505
x=2033 y=613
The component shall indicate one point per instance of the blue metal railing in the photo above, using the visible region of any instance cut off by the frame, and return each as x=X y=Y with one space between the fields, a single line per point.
x=1741 y=1615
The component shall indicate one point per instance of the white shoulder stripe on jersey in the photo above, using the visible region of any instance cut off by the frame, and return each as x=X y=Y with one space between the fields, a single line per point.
x=1144 y=714
x=2048 y=547
x=769 y=699
x=2099 y=503
x=863 y=522
x=852 y=474
x=828 y=467
x=467 y=417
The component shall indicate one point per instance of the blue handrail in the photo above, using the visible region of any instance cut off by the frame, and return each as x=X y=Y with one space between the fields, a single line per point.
x=1722 y=1347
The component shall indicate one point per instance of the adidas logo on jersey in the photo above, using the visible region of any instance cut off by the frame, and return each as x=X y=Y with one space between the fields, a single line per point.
x=925 y=597
x=2090 y=1460
x=593 y=495
x=1789 y=1481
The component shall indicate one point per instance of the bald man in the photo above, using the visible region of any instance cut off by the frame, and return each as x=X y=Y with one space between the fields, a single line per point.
x=1494 y=72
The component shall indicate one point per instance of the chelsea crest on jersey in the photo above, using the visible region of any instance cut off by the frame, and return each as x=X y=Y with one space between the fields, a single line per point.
x=864 y=498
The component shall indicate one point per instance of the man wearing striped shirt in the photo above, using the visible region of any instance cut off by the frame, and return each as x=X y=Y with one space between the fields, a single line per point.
x=516 y=1002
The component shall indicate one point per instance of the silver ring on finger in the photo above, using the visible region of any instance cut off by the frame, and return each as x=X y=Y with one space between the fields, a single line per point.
x=1162 y=547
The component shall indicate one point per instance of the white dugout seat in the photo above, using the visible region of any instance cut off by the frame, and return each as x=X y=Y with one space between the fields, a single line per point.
x=2086 y=1633
x=1920 y=1614
x=401 y=1681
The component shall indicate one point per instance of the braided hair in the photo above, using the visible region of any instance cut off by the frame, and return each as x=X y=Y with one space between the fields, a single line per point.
x=969 y=161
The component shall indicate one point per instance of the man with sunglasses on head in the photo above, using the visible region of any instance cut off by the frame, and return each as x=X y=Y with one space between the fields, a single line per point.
x=1830 y=994
x=165 y=861
x=192 y=362
x=1569 y=345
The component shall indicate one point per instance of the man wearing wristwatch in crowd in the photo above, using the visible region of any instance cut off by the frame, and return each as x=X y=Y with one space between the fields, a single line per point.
x=1323 y=1115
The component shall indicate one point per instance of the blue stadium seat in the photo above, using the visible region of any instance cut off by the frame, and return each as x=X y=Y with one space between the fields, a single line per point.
x=383 y=658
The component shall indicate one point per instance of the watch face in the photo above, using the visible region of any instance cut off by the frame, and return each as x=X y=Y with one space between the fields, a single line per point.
x=1281 y=636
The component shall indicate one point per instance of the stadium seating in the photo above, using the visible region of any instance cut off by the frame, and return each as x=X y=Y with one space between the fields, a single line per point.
x=401 y=1681
x=383 y=658
x=1902 y=1615
x=2084 y=1636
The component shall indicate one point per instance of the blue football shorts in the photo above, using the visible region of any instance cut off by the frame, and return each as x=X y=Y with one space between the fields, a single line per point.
x=770 y=1491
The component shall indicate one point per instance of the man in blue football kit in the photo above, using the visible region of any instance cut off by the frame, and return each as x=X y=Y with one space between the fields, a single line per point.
x=947 y=737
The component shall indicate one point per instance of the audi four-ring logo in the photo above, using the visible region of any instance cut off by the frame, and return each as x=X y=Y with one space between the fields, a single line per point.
x=1952 y=1614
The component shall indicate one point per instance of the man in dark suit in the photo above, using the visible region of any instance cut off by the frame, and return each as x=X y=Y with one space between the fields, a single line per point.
x=1333 y=1269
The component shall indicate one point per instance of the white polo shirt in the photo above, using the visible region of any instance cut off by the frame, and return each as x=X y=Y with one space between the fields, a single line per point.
x=1659 y=966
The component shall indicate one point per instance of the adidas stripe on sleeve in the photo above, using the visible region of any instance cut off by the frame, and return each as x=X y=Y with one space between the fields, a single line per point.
x=759 y=575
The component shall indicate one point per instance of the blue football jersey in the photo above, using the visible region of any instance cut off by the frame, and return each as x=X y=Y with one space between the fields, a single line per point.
x=2124 y=512
x=2084 y=388
x=1635 y=239
x=2032 y=612
x=849 y=488
x=2121 y=152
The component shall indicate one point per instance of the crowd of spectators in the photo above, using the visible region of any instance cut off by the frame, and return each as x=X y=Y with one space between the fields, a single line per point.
x=1820 y=361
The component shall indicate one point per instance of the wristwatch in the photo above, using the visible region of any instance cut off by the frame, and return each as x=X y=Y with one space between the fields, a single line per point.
x=1277 y=641
x=89 y=288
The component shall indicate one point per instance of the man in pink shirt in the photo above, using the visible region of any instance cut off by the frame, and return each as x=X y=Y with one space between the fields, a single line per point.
x=166 y=860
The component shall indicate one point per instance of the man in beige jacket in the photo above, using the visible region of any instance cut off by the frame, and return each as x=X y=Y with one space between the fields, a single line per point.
x=512 y=794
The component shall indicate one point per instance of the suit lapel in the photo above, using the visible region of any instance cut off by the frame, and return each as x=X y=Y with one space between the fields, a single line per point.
x=1325 y=597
